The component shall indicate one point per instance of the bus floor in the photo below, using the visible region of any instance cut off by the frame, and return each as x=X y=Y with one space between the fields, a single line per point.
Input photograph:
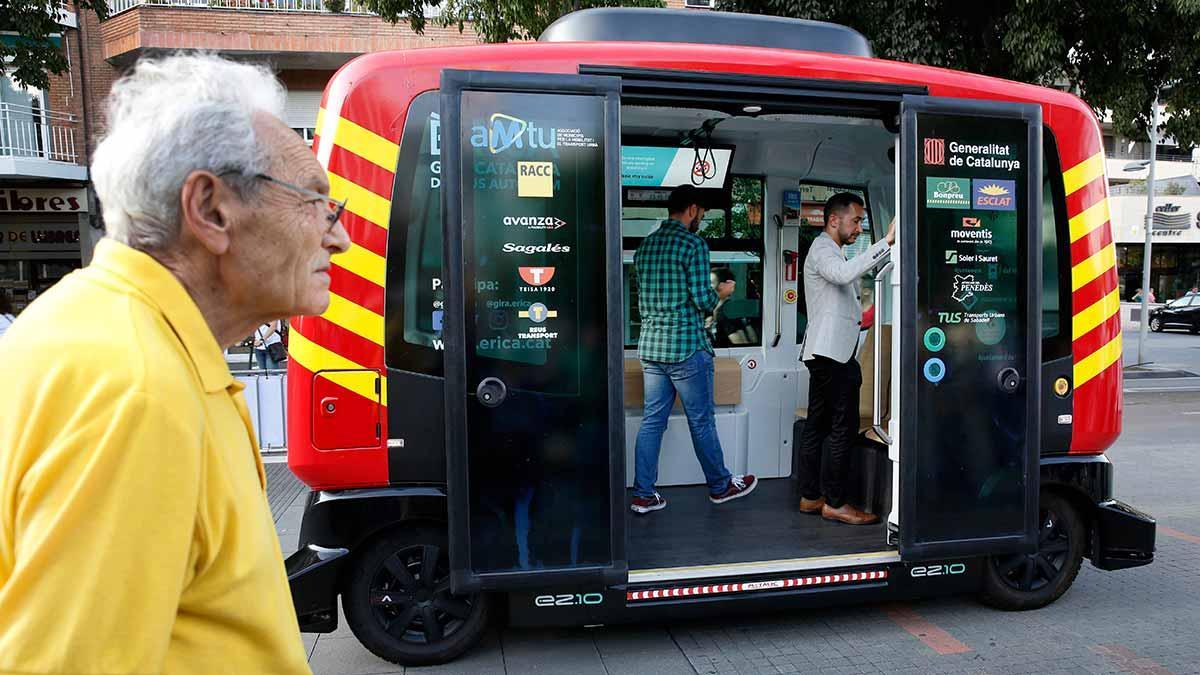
x=764 y=525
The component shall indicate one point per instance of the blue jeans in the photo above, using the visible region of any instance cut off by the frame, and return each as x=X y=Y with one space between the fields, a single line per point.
x=264 y=359
x=692 y=378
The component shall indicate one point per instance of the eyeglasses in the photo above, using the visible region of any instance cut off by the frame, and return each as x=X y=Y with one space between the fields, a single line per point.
x=336 y=206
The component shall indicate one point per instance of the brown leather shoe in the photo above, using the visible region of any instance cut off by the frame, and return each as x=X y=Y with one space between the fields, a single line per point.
x=849 y=515
x=812 y=506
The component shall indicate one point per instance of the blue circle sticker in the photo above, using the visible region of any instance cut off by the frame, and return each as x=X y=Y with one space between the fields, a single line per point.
x=935 y=339
x=935 y=370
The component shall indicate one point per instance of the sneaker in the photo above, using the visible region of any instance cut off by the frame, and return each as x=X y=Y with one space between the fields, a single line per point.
x=739 y=486
x=648 y=504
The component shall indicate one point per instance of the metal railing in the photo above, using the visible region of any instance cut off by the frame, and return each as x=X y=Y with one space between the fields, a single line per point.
x=37 y=134
x=349 y=6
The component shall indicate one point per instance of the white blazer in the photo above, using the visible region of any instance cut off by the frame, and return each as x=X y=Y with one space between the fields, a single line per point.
x=832 y=290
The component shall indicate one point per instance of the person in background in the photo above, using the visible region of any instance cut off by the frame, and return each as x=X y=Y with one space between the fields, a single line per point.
x=672 y=266
x=6 y=312
x=135 y=532
x=724 y=285
x=265 y=336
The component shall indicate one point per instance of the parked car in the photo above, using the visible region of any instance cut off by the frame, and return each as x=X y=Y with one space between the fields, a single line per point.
x=1179 y=313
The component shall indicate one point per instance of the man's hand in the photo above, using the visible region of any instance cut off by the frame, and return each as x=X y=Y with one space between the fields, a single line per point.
x=891 y=233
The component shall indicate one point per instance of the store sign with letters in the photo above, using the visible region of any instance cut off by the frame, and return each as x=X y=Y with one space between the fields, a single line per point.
x=22 y=200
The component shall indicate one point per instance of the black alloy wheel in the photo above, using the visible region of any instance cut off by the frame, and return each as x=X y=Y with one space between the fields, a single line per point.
x=1032 y=580
x=399 y=604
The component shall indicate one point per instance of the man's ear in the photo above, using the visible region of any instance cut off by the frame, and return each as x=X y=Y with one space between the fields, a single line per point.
x=206 y=204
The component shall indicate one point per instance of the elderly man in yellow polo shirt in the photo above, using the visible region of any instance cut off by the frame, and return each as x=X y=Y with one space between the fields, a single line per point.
x=135 y=535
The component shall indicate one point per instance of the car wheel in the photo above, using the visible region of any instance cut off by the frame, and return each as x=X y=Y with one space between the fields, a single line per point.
x=399 y=605
x=1195 y=329
x=1156 y=324
x=1033 y=580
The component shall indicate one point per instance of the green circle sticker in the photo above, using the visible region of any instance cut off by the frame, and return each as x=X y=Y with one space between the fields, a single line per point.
x=935 y=339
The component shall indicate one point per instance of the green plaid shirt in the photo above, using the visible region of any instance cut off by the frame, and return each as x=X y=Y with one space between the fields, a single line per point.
x=674 y=295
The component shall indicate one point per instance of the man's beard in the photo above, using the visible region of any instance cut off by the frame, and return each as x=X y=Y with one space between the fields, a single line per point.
x=694 y=226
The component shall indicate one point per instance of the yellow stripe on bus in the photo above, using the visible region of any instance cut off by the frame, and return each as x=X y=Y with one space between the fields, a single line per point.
x=364 y=263
x=1093 y=267
x=1093 y=316
x=354 y=318
x=359 y=200
x=316 y=359
x=1098 y=361
x=1084 y=172
x=1085 y=222
x=361 y=141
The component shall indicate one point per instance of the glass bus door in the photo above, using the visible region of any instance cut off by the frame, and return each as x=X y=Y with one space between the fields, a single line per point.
x=970 y=292
x=534 y=424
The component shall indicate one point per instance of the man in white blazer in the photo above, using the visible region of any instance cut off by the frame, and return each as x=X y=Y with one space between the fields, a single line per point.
x=833 y=293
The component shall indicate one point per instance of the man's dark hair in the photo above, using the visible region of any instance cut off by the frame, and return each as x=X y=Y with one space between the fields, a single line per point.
x=840 y=202
x=723 y=274
x=682 y=197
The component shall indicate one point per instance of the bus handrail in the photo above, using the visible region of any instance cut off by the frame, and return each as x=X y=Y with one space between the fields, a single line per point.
x=877 y=410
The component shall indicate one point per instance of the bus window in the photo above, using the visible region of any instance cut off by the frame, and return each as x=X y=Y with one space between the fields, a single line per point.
x=812 y=223
x=1055 y=343
x=738 y=321
x=414 y=257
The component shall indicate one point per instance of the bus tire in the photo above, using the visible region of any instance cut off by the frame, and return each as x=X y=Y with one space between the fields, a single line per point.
x=1029 y=581
x=398 y=603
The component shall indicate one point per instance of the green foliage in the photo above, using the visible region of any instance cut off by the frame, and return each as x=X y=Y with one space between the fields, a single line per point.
x=1114 y=53
x=29 y=25
x=494 y=20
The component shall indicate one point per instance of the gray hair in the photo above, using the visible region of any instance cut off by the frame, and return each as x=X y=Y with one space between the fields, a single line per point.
x=167 y=118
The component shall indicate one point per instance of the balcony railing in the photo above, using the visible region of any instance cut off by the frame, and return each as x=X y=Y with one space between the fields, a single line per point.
x=350 y=6
x=33 y=133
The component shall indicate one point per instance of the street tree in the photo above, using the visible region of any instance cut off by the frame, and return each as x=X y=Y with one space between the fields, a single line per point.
x=28 y=54
x=493 y=20
x=1114 y=54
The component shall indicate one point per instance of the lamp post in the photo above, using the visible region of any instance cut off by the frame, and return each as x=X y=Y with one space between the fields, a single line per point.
x=1144 y=316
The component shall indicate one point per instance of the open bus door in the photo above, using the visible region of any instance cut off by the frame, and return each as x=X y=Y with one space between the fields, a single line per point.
x=534 y=421
x=970 y=337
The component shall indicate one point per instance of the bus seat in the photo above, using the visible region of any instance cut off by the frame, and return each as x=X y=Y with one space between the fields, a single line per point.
x=727 y=383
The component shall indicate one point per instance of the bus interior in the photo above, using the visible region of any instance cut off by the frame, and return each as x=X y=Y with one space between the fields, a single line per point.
x=765 y=210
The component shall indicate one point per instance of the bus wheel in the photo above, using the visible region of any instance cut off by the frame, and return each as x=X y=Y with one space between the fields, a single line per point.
x=1033 y=580
x=399 y=605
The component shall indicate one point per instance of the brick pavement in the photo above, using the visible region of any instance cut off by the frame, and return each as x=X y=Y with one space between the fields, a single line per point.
x=1133 y=621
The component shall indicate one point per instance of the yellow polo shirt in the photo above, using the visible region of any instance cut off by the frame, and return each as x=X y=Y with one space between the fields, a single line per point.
x=135 y=534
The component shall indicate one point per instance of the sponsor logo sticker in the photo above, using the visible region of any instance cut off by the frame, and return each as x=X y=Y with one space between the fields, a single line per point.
x=535 y=179
x=995 y=195
x=947 y=193
x=968 y=221
x=935 y=151
x=530 y=249
x=538 y=313
x=534 y=222
x=536 y=276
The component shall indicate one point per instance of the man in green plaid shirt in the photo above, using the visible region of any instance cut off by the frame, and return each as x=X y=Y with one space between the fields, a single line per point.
x=674 y=297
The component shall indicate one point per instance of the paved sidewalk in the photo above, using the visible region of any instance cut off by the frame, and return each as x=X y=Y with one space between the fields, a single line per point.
x=1141 y=621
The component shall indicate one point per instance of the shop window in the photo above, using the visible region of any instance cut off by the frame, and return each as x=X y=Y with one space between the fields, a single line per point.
x=735 y=242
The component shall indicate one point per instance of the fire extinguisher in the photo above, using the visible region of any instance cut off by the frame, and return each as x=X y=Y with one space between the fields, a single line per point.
x=789 y=265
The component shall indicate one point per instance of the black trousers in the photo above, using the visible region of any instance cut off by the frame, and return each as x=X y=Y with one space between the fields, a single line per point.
x=833 y=390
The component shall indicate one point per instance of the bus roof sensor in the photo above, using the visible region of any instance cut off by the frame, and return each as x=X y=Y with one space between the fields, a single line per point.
x=627 y=24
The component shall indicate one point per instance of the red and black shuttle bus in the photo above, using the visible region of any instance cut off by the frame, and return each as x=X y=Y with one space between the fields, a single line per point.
x=464 y=411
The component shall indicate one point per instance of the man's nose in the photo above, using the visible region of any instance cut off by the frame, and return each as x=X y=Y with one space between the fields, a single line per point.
x=339 y=239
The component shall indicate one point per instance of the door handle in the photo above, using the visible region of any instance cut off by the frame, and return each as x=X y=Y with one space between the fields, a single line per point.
x=876 y=375
x=491 y=392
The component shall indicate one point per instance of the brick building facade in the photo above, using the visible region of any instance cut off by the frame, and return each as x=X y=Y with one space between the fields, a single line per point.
x=46 y=137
